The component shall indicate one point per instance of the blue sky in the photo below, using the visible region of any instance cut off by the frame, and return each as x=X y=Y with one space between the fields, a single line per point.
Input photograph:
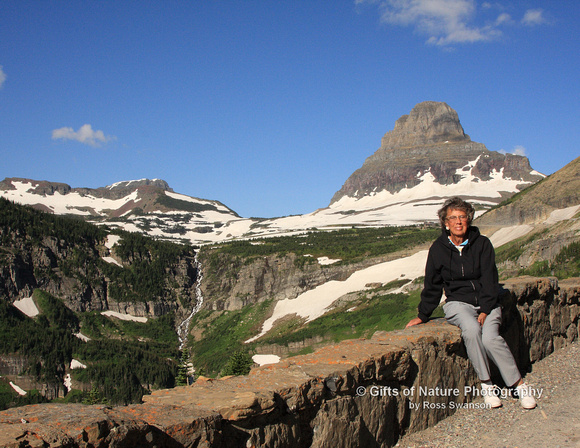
x=269 y=106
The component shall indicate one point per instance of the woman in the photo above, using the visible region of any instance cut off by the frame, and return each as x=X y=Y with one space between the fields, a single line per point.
x=462 y=262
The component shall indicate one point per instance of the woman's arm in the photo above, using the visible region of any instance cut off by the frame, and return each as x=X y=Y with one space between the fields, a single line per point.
x=432 y=288
x=488 y=279
x=431 y=293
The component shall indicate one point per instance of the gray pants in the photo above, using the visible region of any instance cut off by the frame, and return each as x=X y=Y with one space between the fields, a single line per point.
x=484 y=341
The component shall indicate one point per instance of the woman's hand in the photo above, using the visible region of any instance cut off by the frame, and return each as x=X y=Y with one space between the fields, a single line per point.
x=415 y=321
x=481 y=318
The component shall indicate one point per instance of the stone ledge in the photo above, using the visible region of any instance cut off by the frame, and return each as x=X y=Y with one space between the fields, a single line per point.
x=316 y=399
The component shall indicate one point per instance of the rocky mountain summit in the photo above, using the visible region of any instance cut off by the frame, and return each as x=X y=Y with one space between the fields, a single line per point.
x=431 y=140
x=114 y=191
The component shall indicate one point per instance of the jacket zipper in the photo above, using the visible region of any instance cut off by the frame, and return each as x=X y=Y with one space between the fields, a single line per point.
x=473 y=286
x=460 y=256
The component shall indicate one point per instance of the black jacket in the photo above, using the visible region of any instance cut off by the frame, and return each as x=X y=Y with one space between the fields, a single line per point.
x=468 y=276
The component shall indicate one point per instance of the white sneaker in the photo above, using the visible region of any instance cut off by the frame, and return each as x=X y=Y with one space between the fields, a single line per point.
x=491 y=396
x=527 y=400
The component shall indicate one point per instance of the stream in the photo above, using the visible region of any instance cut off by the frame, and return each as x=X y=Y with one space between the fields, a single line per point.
x=183 y=328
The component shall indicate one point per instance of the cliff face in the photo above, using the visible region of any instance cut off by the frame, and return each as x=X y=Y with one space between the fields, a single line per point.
x=63 y=266
x=86 y=287
x=231 y=283
x=89 y=269
x=356 y=393
x=430 y=140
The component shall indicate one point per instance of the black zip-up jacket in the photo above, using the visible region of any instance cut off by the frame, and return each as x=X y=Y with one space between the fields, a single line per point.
x=467 y=276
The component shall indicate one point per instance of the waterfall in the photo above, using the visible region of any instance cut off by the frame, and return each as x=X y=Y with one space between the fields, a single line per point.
x=183 y=328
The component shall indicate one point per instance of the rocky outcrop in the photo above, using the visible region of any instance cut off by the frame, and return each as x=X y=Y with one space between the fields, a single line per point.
x=355 y=393
x=12 y=364
x=534 y=205
x=540 y=316
x=428 y=123
x=230 y=283
x=430 y=140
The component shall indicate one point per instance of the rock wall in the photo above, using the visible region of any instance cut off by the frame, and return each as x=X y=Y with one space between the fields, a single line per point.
x=355 y=393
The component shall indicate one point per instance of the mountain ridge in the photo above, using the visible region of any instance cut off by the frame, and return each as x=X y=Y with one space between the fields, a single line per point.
x=537 y=202
x=424 y=160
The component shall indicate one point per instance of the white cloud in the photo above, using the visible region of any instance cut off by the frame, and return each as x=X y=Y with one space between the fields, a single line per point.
x=503 y=19
x=2 y=76
x=447 y=22
x=534 y=17
x=518 y=150
x=85 y=135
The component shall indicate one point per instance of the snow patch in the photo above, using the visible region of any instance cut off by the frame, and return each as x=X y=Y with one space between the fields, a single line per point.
x=508 y=234
x=111 y=260
x=126 y=183
x=19 y=390
x=325 y=260
x=82 y=337
x=68 y=382
x=27 y=306
x=74 y=364
x=112 y=240
x=124 y=316
x=266 y=359
x=562 y=214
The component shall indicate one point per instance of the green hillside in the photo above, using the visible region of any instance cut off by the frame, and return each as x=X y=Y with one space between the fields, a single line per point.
x=124 y=359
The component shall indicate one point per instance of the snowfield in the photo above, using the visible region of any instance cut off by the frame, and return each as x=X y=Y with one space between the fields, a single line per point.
x=315 y=302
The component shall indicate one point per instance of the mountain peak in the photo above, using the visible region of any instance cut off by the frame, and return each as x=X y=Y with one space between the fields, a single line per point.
x=431 y=143
x=132 y=184
x=429 y=122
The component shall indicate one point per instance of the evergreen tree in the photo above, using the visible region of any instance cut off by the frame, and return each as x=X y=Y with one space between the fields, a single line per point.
x=239 y=363
x=183 y=369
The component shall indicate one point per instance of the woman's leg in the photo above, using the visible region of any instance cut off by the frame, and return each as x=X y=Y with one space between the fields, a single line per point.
x=464 y=316
x=497 y=349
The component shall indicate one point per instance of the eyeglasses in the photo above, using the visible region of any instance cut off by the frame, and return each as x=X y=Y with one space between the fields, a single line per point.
x=455 y=218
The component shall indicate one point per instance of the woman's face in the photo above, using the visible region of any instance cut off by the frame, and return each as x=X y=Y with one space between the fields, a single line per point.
x=457 y=222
